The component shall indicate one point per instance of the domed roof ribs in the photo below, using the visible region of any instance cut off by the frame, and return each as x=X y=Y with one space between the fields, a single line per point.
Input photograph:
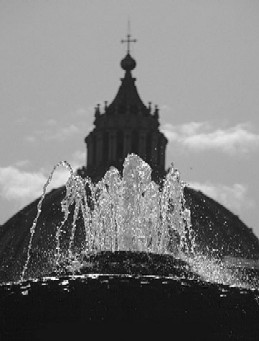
x=127 y=95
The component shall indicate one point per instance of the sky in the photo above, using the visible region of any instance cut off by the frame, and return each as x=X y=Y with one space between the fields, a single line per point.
x=196 y=59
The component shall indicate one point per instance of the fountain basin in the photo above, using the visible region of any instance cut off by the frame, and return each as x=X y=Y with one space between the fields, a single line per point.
x=131 y=263
x=69 y=305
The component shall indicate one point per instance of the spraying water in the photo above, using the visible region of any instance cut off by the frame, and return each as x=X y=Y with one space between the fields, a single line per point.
x=33 y=227
x=129 y=212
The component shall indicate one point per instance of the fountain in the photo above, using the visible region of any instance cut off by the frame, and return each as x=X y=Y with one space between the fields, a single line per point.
x=137 y=236
x=121 y=213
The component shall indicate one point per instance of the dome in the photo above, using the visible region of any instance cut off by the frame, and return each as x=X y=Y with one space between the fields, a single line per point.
x=128 y=63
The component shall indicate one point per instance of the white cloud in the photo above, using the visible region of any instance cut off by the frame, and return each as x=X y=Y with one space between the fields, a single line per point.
x=61 y=133
x=20 y=186
x=30 y=138
x=202 y=136
x=23 y=186
x=165 y=107
x=83 y=112
x=78 y=159
x=235 y=197
x=22 y=163
x=59 y=178
x=53 y=132
x=51 y=122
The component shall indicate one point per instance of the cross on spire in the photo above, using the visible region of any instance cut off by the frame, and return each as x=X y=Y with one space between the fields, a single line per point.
x=128 y=40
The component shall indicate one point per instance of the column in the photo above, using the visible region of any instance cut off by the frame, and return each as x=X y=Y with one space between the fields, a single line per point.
x=112 y=145
x=99 y=148
x=143 y=144
x=154 y=148
x=127 y=143
x=162 y=152
x=90 y=150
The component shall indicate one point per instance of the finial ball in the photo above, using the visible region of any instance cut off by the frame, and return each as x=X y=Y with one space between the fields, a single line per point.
x=128 y=63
